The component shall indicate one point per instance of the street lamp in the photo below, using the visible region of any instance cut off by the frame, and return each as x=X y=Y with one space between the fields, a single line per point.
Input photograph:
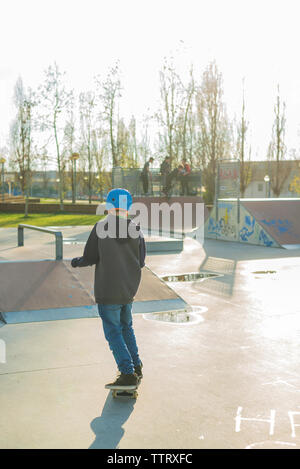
x=74 y=157
x=2 y=161
x=267 y=181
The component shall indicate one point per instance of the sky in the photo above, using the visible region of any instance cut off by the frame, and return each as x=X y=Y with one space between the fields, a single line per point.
x=250 y=40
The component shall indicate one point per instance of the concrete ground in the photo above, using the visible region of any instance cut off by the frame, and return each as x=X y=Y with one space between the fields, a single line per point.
x=229 y=379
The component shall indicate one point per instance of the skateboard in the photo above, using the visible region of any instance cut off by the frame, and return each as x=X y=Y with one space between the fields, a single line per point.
x=131 y=393
x=121 y=392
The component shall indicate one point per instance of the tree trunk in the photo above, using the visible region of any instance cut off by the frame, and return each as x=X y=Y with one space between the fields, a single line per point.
x=58 y=167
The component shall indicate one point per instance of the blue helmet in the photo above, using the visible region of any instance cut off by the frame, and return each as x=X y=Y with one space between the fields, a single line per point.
x=118 y=199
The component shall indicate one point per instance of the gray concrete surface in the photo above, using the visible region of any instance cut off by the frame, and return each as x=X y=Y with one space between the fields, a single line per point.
x=229 y=380
x=35 y=289
x=47 y=290
x=39 y=245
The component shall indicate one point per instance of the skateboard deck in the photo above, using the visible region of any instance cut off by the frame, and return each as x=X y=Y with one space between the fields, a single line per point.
x=121 y=392
x=131 y=393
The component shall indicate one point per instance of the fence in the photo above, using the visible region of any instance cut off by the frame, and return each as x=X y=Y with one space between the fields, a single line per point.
x=130 y=179
x=45 y=185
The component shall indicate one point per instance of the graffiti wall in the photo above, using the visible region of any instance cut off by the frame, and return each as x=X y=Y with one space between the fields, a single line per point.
x=250 y=231
x=226 y=227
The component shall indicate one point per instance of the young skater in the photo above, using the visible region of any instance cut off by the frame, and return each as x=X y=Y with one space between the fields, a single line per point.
x=117 y=247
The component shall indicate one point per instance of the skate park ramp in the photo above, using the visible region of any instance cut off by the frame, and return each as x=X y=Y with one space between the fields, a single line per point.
x=280 y=218
x=187 y=205
x=48 y=290
x=266 y=222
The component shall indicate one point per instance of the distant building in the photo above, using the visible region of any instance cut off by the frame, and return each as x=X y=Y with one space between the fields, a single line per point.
x=289 y=169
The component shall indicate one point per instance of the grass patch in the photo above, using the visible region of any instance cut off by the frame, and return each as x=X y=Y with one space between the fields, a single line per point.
x=11 y=220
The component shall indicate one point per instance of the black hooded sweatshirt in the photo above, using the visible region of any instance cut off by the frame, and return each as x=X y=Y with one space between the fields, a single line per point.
x=118 y=259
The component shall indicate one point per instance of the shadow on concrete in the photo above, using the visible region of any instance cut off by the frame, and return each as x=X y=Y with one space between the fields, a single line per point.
x=108 y=428
x=8 y=249
x=222 y=257
x=221 y=285
x=245 y=252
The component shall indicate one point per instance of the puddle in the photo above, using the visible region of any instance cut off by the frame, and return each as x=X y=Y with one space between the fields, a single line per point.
x=265 y=272
x=189 y=277
x=175 y=317
x=178 y=317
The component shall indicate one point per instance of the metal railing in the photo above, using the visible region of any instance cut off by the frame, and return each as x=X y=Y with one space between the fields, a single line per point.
x=130 y=179
x=58 y=238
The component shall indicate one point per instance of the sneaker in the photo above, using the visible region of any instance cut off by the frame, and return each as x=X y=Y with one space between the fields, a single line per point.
x=138 y=370
x=125 y=381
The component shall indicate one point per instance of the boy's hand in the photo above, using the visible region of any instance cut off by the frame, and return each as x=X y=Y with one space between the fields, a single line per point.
x=74 y=262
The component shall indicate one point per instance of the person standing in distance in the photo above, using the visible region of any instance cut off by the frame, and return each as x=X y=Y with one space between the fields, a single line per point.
x=116 y=246
x=185 y=177
x=165 y=169
x=146 y=175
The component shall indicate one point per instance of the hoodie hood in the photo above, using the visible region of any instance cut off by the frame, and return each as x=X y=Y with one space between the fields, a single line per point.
x=120 y=227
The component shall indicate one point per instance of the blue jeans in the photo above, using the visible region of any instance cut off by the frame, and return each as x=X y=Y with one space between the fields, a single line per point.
x=118 y=331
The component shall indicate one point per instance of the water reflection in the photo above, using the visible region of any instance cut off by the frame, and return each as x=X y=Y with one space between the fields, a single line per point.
x=189 y=277
x=181 y=317
x=265 y=272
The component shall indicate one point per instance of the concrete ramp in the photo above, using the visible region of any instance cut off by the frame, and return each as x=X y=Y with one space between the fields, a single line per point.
x=280 y=218
x=265 y=222
x=51 y=290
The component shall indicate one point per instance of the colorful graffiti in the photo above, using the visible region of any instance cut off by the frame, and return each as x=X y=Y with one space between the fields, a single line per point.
x=247 y=231
x=221 y=228
x=280 y=226
x=248 y=228
x=252 y=231
x=264 y=239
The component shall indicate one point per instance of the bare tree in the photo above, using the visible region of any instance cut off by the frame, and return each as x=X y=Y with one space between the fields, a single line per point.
x=69 y=138
x=68 y=146
x=124 y=150
x=88 y=127
x=21 y=136
x=133 y=145
x=192 y=141
x=109 y=92
x=101 y=149
x=189 y=92
x=56 y=101
x=279 y=172
x=144 y=142
x=245 y=167
x=170 y=92
x=214 y=129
